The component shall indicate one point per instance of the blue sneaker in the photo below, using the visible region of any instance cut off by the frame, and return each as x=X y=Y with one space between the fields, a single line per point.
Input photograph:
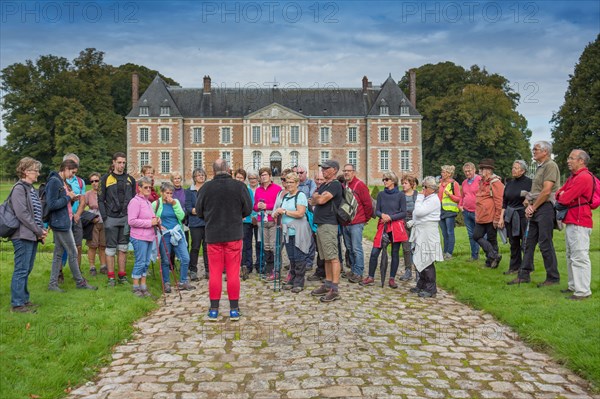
x=213 y=314
x=234 y=314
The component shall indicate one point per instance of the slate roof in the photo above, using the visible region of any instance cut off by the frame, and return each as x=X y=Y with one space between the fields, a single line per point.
x=239 y=102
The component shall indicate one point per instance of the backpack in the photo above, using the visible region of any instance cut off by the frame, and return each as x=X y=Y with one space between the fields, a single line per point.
x=347 y=210
x=308 y=214
x=42 y=196
x=8 y=220
x=595 y=199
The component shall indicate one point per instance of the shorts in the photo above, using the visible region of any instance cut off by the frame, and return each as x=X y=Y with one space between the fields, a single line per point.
x=98 y=238
x=116 y=231
x=77 y=229
x=327 y=241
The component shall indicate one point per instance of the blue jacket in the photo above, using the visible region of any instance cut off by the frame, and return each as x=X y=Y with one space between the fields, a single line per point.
x=190 y=202
x=57 y=201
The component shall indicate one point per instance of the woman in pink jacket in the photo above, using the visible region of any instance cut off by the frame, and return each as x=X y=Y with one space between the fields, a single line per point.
x=142 y=221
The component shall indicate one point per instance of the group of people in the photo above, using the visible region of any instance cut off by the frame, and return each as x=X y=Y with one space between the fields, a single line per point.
x=238 y=210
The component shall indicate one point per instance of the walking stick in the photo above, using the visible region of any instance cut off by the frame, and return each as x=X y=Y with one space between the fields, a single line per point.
x=277 y=263
x=262 y=245
x=171 y=267
x=524 y=246
x=162 y=281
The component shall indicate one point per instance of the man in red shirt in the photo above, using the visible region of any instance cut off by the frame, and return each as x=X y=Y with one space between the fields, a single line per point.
x=353 y=231
x=576 y=195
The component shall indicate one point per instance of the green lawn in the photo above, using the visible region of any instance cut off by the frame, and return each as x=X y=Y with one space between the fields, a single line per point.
x=567 y=330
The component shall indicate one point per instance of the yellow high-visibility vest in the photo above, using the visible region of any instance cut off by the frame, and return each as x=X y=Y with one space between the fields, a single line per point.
x=447 y=203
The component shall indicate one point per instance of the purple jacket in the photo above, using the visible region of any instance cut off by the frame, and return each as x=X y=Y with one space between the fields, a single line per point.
x=139 y=216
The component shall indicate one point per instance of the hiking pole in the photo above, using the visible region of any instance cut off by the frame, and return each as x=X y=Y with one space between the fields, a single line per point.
x=158 y=260
x=524 y=246
x=277 y=263
x=171 y=268
x=262 y=244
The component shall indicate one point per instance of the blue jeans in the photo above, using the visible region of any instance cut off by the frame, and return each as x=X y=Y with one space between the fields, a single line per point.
x=470 y=224
x=181 y=251
x=353 y=240
x=25 y=251
x=447 y=226
x=142 y=251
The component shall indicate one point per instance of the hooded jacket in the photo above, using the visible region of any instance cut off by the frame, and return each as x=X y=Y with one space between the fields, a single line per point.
x=57 y=202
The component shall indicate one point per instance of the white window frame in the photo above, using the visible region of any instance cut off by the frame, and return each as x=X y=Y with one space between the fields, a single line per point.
x=402 y=128
x=381 y=130
x=324 y=156
x=404 y=110
x=324 y=135
x=227 y=156
x=353 y=160
x=256 y=160
x=405 y=157
x=165 y=110
x=194 y=155
x=352 y=131
x=141 y=161
x=384 y=110
x=222 y=136
x=144 y=110
x=294 y=134
x=384 y=162
x=294 y=158
x=276 y=134
x=164 y=171
x=147 y=133
x=197 y=133
x=256 y=134
x=160 y=134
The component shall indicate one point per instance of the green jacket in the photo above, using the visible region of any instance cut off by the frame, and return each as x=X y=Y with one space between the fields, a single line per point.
x=157 y=206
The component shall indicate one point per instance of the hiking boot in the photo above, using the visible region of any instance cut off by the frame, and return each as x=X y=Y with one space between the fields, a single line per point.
x=547 y=283
x=31 y=305
x=185 y=286
x=123 y=280
x=392 y=283
x=578 y=297
x=85 y=286
x=567 y=291
x=496 y=261
x=61 y=277
x=244 y=273
x=415 y=290
x=355 y=279
x=367 y=281
x=55 y=288
x=213 y=314
x=330 y=296
x=103 y=269
x=426 y=294
x=296 y=290
x=111 y=282
x=447 y=256
x=138 y=292
x=518 y=280
x=509 y=272
x=314 y=277
x=167 y=288
x=22 y=309
x=147 y=293
x=407 y=275
x=234 y=314
x=93 y=272
x=321 y=291
x=194 y=276
x=288 y=286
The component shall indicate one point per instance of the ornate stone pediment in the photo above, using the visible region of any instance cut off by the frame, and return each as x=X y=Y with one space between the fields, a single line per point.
x=275 y=111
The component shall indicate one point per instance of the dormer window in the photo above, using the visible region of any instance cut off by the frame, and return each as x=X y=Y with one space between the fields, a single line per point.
x=165 y=110
x=384 y=110
x=144 y=111
x=404 y=109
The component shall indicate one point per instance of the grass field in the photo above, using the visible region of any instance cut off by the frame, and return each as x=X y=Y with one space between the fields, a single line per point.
x=567 y=330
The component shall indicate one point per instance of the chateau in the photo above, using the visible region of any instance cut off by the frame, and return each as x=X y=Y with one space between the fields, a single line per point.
x=172 y=128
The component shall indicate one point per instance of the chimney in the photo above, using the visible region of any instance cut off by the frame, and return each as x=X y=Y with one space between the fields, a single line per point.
x=412 y=84
x=365 y=84
x=135 y=89
x=206 y=85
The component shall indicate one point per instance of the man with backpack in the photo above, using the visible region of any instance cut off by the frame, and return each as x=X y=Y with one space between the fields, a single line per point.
x=116 y=189
x=327 y=200
x=353 y=231
x=577 y=194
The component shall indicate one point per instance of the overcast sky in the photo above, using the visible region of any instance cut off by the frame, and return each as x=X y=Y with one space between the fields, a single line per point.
x=535 y=44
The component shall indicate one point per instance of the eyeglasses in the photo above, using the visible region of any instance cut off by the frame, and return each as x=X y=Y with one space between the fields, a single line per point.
x=385 y=179
x=33 y=170
x=253 y=178
x=348 y=170
x=301 y=173
x=283 y=180
x=143 y=187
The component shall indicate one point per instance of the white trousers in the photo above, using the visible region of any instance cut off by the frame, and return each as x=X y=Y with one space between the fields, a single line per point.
x=579 y=266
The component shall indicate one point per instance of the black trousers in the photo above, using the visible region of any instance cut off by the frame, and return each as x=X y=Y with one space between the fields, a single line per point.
x=247 y=248
x=427 y=279
x=541 y=228
x=198 y=238
x=489 y=245
x=516 y=243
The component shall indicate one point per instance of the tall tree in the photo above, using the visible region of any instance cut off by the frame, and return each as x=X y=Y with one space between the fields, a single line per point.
x=468 y=115
x=577 y=122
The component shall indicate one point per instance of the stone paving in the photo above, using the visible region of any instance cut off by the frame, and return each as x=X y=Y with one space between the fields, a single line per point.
x=374 y=343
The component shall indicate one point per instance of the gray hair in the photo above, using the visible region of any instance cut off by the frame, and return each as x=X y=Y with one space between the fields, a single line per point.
x=198 y=171
x=469 y=165
x=166 y=185
x=144 y=180
x=72 y=156
x=392 y=176
x=430 y=182
x=449 y=168
x=252 y=173
x=544 y=146
x=220 y=166
x=298 y=167
x=584 y=156
x=522 y=164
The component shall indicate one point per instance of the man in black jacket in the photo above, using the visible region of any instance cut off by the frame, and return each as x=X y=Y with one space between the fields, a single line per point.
x=223 y=202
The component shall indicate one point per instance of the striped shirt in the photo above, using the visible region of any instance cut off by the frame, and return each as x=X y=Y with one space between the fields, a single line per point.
x=37 y=208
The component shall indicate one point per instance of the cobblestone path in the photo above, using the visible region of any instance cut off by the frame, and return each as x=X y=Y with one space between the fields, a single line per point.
x=374 y=343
